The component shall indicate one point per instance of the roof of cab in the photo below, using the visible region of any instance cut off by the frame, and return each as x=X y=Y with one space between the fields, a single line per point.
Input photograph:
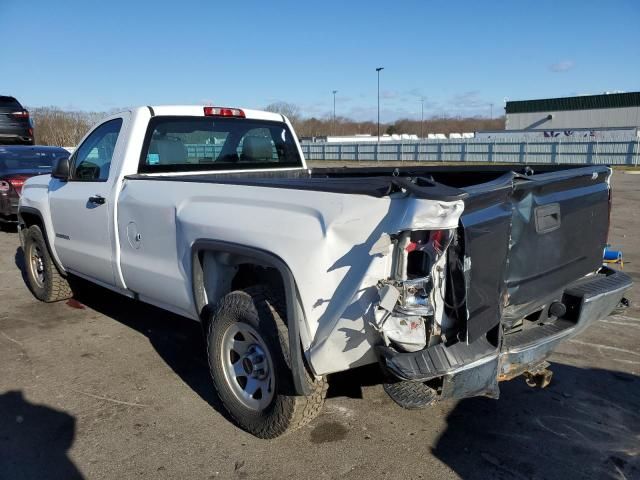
x=198 y=110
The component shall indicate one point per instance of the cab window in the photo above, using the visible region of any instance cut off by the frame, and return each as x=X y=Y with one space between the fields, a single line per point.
x=92 y=160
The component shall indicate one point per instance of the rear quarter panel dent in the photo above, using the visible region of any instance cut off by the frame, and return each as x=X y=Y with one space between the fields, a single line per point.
x=324 y=238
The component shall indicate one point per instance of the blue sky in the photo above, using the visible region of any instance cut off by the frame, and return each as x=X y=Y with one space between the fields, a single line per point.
x=461 y=56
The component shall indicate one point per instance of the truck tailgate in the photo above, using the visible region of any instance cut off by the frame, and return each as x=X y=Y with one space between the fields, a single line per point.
x=528 y=237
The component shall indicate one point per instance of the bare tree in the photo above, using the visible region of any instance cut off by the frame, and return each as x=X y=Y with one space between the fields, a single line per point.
x=318 y=127
x=289 y=110
x=53 y=126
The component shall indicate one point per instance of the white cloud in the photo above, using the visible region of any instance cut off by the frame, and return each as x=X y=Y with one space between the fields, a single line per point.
x=468 y=101
x=563 y=66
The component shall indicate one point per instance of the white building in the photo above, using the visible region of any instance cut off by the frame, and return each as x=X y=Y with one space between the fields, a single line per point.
x=364 y=138
x=608 y=111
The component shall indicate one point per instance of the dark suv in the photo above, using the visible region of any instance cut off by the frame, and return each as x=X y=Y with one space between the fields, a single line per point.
x=15 y=125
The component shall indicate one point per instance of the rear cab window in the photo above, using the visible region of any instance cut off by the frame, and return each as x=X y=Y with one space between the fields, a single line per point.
x=183 y=144
x=12 y=112
x=9 y=104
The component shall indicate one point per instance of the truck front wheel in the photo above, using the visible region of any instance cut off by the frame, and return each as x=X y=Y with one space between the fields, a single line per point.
x=248 y=353
x=44 y=279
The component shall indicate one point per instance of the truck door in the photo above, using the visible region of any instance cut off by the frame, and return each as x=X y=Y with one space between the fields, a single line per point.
x=82 y=211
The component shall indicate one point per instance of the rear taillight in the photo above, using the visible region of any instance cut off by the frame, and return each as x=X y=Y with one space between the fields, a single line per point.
x=423 y=249
x=436 y=238
x=16 y=183
x=223 y=112
x=20 y=114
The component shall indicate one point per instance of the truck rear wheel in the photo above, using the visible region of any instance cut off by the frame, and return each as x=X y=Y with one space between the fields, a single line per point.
x=45 y=281
x=248 y=353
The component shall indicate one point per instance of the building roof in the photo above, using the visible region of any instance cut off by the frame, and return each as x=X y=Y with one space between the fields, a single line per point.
x=586 y=102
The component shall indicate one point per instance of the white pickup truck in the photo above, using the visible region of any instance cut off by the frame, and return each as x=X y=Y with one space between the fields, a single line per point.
x=451 y=278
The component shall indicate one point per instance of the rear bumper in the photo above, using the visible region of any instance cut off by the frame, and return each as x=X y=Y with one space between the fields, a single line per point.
x=476 y=368
x=18 y=137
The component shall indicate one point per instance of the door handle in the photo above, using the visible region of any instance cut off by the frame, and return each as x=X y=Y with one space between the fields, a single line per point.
x=547 y=218
x=97 y=200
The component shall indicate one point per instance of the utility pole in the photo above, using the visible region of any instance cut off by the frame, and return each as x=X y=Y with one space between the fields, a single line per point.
x=333 y=128
x=421 y=118
x=378 y=70
x=491 y=105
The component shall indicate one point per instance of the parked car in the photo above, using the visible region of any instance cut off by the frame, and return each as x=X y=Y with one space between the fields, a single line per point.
x=15 y=125
x=17 y=164
x=451 y=279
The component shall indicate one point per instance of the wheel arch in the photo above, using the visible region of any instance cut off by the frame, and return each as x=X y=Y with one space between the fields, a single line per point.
x=234 y=255
x=29 y=216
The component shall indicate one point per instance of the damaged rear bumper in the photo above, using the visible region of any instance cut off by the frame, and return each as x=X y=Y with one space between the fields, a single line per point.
x=475 y=369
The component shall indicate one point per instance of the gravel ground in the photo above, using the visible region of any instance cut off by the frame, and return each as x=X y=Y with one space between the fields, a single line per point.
x=102 y=387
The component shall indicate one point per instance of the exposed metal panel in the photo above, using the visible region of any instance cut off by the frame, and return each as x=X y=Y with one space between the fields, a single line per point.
x=559 y=120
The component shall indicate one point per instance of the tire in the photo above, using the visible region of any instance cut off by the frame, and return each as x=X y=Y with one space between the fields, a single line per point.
x=45 y=281
x=255 y=316
x=411 y=395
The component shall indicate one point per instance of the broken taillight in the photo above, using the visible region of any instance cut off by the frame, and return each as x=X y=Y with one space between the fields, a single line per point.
x=436 y=238
x=423 y=249
x=411 y=246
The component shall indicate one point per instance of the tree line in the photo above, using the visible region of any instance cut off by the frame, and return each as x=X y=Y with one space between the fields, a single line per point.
x=55 y=126
x=327 y=126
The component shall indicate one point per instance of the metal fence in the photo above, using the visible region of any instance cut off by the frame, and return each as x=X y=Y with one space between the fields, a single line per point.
x=554 y=151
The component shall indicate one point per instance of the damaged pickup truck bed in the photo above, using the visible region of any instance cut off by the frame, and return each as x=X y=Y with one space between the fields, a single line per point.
x=452 y=279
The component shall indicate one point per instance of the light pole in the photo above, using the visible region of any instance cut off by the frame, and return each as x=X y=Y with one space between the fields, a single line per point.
x=333 y=127
x=421 y=117
x=491 y=105
x=378 y=70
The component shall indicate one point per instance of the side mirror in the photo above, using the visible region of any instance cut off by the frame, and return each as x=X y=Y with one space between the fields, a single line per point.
x=61 y=169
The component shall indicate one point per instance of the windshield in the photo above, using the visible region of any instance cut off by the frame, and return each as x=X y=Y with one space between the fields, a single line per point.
x=11 y=159
x=9 y=104
x=178 y=144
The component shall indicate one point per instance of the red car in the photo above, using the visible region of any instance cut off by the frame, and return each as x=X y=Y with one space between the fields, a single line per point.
x=17 y=163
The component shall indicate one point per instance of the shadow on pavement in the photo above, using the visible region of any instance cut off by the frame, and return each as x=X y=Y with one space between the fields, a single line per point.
x=20 y=263
x=586 y=424
x=8 y=227
x=34 y=440
x=349 y=383
x=178 y=340
x=180 y=343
